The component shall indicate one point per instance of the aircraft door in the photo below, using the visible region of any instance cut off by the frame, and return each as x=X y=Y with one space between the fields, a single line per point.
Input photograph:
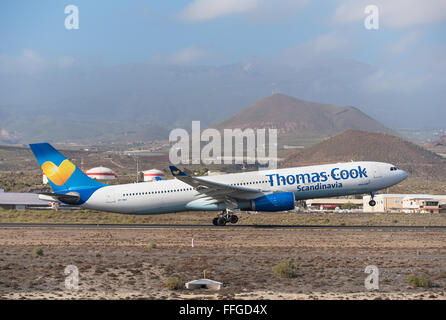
x=377 y=174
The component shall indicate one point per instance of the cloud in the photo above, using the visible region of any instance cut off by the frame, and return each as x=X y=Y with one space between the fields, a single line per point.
x=393 y=81
x=393 y=13
x=256 y=10
x=187 y=55
x=200 y=10
x=65 y=62
x=30 y=62
x=421 y=73
x=404 y=43
x=27 y=62
x=327 y=43
x=324 y=46
x=276 y=11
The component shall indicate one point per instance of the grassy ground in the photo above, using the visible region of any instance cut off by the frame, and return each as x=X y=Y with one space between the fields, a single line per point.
x=205 y=218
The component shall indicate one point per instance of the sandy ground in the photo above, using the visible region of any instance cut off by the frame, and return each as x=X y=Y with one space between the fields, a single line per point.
x=117 y=263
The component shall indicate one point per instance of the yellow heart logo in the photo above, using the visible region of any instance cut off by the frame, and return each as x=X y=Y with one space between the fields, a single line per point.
x=176 y=172
x=58 y=174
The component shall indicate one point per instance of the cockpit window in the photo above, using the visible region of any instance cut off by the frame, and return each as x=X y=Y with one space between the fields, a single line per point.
x=394 y=168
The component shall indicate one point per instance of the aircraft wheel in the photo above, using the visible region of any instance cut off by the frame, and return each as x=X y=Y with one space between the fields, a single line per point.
x=215 y=221
x=372 y=203
x=221 y=221
x=234 y=219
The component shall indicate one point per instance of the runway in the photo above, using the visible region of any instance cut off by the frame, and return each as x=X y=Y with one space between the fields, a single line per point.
x=190 y=226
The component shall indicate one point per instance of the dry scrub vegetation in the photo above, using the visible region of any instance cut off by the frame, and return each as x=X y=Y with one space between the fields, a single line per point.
x=251 y=263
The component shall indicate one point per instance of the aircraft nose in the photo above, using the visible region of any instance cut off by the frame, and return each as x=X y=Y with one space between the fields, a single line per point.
x=404 y=175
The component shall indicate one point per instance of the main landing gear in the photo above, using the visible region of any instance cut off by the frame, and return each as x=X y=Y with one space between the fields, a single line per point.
x=372 y=202
x=225 y=217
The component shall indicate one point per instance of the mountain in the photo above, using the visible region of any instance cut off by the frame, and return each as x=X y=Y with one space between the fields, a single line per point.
x=367 y=146
x=119 y=102
x=292 y=116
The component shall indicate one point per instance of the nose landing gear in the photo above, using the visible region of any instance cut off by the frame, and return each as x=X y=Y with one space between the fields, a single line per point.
x=372 y=202
x=225 y=217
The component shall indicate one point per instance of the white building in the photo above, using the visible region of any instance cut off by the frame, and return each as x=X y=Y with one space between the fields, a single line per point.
x=421 y=202
x=215 y=173
x=101 y=173
x=153 y=175
x=400 y=202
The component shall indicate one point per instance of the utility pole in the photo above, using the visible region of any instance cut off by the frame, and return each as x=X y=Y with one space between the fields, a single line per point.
x=137 y=170
x=135 y=157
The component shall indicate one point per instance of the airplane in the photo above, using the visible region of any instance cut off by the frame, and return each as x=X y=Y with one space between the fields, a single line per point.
x=267 y=190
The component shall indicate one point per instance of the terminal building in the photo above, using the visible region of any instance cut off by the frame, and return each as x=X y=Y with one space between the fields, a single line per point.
x=408 y=203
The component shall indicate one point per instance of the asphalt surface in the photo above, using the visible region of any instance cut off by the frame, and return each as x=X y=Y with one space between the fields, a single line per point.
x=188 y=226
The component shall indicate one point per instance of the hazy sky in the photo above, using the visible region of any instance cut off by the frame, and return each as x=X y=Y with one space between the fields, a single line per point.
x=220 y=31
x=407 y=52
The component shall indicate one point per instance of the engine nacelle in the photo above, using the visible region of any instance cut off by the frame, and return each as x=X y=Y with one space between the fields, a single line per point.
x=273 y=202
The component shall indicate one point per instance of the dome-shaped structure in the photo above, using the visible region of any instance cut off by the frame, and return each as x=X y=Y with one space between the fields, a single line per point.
x=101 y=173
x=153 y=175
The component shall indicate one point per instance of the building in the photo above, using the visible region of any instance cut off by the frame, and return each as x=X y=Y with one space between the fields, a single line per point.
x=332 y=203
x=153 y=175
x=384 y=203
x=101 y=173
x=22 y=201
x=215 y=173
x=423 y=203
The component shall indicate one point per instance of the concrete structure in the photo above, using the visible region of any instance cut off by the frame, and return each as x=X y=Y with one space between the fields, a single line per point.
x=384 y=203
x=331 y=203
x=423 y=203
x=22 y=201
x=101 y=173
x=204 y=283
x=153 y=175
x=215 y=173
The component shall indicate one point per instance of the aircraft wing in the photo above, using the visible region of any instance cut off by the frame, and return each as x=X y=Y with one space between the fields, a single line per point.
x=210 y=188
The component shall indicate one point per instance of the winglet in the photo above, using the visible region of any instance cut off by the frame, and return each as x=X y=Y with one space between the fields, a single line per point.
x=177 y=172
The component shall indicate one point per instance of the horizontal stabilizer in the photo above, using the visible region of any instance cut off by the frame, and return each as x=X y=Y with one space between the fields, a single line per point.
x=57 y=197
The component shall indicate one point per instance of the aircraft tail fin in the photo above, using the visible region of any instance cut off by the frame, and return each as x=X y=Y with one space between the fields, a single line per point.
x=62 y=174
x=176 y=172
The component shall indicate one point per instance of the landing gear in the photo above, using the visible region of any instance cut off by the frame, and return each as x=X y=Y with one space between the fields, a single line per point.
x=372 y=202
x=225 y=217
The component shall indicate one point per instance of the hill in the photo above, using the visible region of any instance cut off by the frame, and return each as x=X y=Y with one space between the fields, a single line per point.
x=292 y=116
x=366 y=146
x=438 y=143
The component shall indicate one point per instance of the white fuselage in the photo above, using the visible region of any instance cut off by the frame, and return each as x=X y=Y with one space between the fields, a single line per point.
x=310 y=182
